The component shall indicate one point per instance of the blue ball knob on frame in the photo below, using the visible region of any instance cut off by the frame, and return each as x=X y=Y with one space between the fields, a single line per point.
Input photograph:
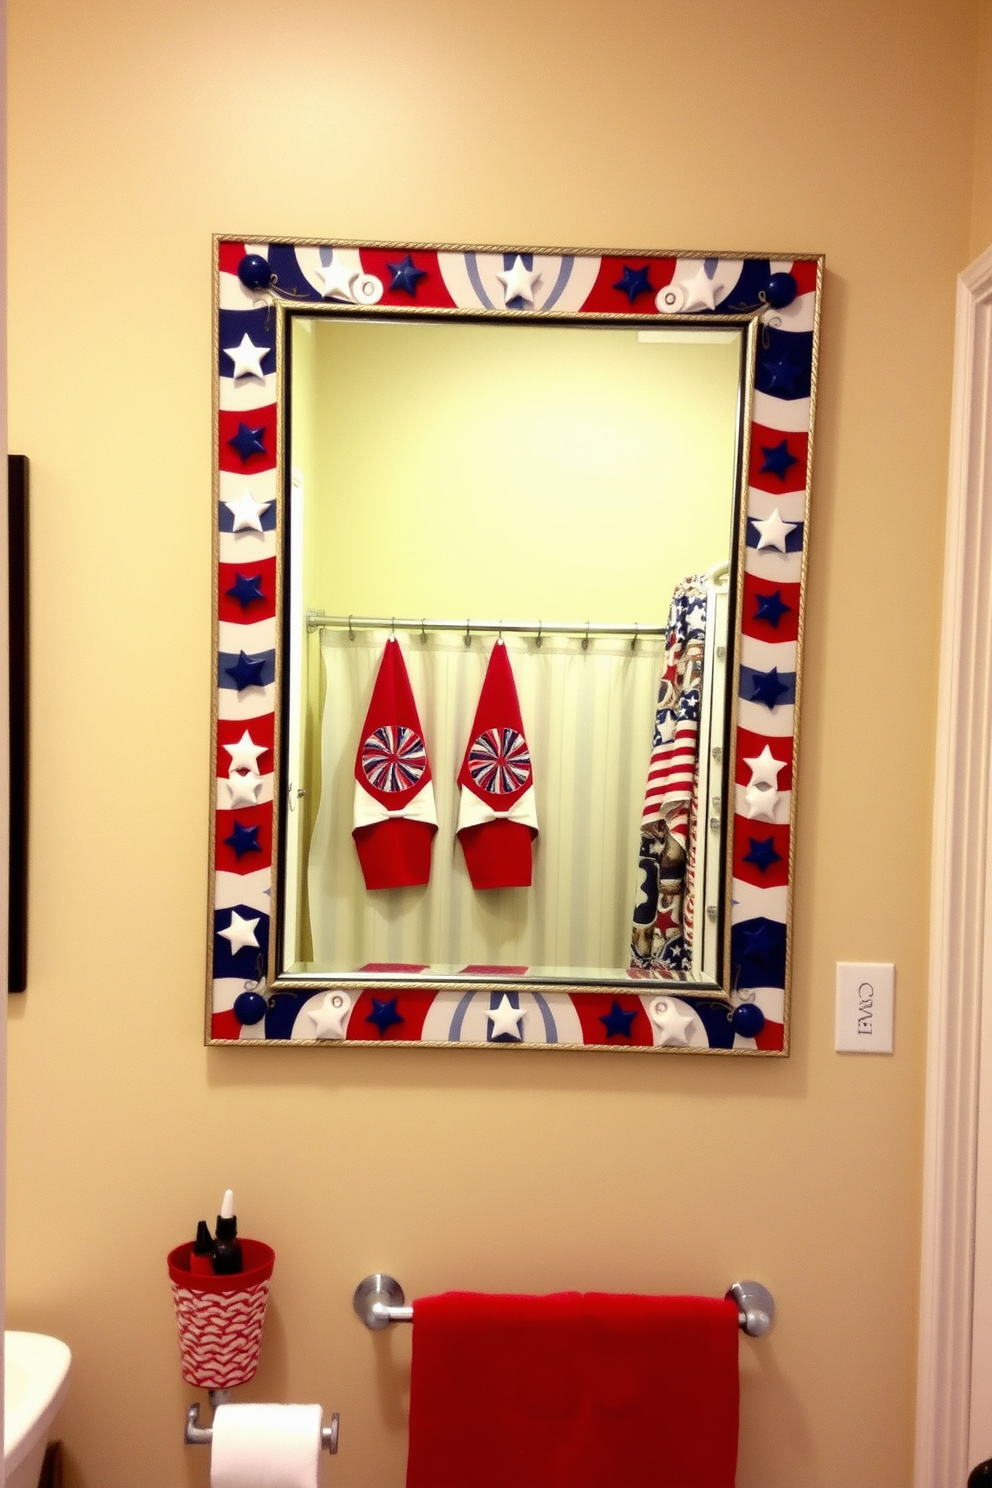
x=249 y=1008
x=780 y=291
x=254 y=271
x=748 y=1020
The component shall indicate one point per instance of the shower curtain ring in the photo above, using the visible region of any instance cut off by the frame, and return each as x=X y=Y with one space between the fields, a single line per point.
x=633 y=639
x=423 y=630
x=585 y=639
x=468 y=633
x=351 y=632
x=540 y=638
x=394 y=627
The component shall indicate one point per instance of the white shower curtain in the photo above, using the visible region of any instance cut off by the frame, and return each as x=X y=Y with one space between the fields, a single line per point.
x=588 y=718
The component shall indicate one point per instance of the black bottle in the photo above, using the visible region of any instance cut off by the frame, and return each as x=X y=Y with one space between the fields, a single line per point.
x=227 y=1260
x=201 y=1262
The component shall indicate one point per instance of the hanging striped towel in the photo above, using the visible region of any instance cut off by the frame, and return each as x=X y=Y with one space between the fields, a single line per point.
x=661 y=940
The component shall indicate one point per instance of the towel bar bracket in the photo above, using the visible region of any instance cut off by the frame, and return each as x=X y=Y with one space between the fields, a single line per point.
x=379 y=1300
x=755 y=1307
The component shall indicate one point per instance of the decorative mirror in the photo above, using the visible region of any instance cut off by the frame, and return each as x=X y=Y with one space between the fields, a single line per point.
x=509 y=608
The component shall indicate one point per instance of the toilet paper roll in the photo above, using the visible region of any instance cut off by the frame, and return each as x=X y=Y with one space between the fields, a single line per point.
x=266 y=1446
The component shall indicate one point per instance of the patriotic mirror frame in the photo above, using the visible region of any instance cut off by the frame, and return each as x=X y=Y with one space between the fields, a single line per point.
x=259 y=287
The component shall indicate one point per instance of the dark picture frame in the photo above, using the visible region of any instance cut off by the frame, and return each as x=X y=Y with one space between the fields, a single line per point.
x=17 y=581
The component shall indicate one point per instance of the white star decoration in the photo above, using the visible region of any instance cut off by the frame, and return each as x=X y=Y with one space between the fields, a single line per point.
x=245 y=753
x=244 y=789
x=773 y=531
x=667 y=730
x=247 y=358
x=701 y=291
x=672 y=1024
x=247 y=512
x=762 y=794
x=328 y=1015
x=765 y=769
x=240 y=932
x=761 y=803
x=337 y=280
x=519 y=282
x=506 y=1019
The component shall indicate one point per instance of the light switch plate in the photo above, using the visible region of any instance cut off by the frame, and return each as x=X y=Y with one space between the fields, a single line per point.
x=865 y=999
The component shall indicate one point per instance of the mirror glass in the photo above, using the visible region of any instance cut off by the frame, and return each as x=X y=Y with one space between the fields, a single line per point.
x=562 y=497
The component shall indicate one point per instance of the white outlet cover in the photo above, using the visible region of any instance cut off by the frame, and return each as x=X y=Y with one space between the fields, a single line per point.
x=865 y=1007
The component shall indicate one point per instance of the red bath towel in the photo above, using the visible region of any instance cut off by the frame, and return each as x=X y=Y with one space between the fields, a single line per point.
x=573 y=1391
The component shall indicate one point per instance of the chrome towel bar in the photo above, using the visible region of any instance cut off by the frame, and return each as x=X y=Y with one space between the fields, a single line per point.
x=379 y=1301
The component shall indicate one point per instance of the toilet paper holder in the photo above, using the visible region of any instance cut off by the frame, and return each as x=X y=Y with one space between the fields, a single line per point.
x=196 y=1435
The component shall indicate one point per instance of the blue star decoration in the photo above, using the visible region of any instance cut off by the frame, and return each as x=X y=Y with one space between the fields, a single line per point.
x=762 y=853
x=245 y=672
x=771 y=608
x=760 y=942
x=405 y=276
x=248 y=442
x=243 y=840
x=777 y=459
x=634 y=282
x=246 y=590
x=757 y=954
x=782 y=378
x=617 y=1022
x=767 y=688
x=384 y=1014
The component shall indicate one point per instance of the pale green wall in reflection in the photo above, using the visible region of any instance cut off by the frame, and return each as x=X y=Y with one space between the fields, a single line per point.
x=515 y=471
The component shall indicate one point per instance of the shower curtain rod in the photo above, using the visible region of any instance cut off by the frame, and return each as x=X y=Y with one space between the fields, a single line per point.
x=316 y=620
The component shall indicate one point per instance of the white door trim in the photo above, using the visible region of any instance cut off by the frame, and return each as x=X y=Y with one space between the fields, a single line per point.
x=961 y=911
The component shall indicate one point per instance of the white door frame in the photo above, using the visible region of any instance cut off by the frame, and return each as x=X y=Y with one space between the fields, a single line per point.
x=950 y=1436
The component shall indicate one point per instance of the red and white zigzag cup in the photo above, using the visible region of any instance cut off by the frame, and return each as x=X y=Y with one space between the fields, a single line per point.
x=221 y=1318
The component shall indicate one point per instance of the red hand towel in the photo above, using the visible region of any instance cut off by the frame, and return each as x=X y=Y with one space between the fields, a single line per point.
x=497 y=817
x=395 y=816
x=573 y=1391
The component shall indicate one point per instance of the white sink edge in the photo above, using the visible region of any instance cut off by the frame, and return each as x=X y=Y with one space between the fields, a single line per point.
x=36 y=1378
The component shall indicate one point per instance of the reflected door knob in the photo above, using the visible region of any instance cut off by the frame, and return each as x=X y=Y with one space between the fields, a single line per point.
x=981 y=1476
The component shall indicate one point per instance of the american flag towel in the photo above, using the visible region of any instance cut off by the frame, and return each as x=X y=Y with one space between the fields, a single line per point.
x=661 y=940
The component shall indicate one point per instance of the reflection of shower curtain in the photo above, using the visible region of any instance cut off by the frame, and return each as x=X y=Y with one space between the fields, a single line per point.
x=584 y=715
x=661 y=939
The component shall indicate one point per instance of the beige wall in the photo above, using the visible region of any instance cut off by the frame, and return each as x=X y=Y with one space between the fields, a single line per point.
x=136 y=131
